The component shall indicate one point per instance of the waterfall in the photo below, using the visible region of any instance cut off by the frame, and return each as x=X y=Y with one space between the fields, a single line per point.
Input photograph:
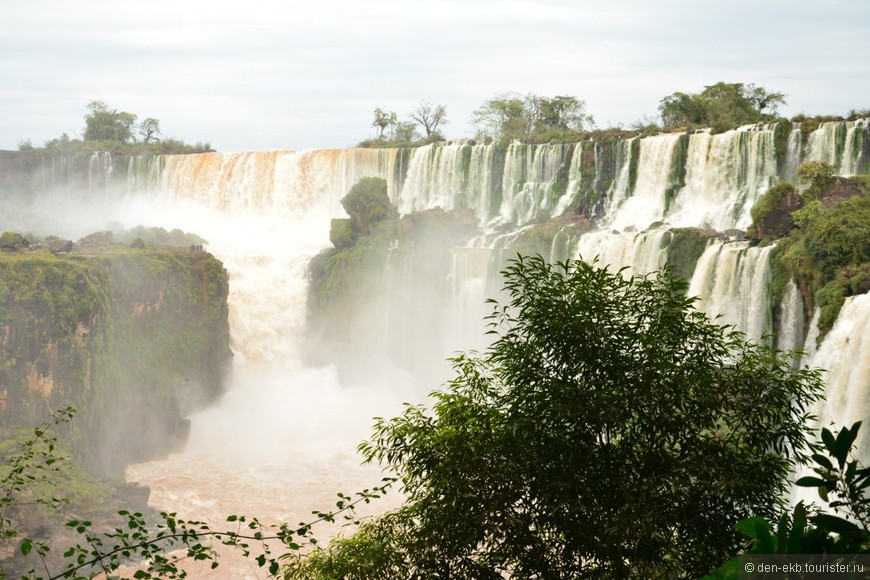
x=284 y=182
x=855 y=148
x=647 y=202
x=793 y=147
x=639 y=253
x=273 y=213
x=845 y=353
x=435 y=178
x=622 y=183
x=843 y=144
x=790 y=335
x=725 y=176
x=731 y=280
x=575 y=174
x=530 y=174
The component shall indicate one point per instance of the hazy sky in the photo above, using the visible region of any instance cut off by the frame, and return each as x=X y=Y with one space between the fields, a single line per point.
x=262 y=74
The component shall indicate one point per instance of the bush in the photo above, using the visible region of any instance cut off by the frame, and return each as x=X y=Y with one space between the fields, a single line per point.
x=341 y=233
x=368 y=203
x=819 y=175
x=771 y=198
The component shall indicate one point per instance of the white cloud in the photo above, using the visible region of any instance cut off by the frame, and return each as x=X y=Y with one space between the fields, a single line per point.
x=268 y=74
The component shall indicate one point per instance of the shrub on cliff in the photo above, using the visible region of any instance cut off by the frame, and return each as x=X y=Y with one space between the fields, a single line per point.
x=341 y=233
x=610 y=431
x=819 y=175
x=772 y=213
x=368 y=203
x=830 y=244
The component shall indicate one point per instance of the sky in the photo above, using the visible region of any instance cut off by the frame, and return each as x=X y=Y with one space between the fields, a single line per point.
x=262 y=74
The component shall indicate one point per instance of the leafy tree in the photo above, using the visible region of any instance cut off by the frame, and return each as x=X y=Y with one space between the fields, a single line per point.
x=406 y=133
x=510 y=116
x=721 y=106
x=149 y=129
x=611 y=430
x=383 y=120
x=561 y=113
x=430 y=117
x=106 y=124
x=503 y=117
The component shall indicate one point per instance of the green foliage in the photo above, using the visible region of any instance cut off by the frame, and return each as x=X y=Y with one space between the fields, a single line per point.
x=611 y=430
x=722 y=106
x=819 y=175
x=105 y=124
x=383 y=120
x=773 y=213
x=12 y=242
x=808 y=213
x=769 y=201
x=827 y=253
x=110 y=332
x=157 y=237
x=842 y=483
x=367 y=203
x=369 y=553
x=535 y=118
x=108 y=129
x=840 y=237
x=341 y=233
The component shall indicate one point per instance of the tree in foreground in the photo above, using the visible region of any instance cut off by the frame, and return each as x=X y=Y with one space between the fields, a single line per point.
x=610 y=431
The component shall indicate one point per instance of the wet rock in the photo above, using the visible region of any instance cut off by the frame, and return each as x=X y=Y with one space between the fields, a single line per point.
x=59 y=246
x=97 y=239
x=12 y=242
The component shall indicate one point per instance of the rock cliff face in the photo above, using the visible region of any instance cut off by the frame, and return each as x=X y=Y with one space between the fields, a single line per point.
x=135 y=339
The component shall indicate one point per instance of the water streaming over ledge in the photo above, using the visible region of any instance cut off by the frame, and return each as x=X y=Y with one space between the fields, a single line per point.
x=266 y=214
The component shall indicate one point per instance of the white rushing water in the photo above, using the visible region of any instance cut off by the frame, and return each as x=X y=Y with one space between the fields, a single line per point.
x=282 y=441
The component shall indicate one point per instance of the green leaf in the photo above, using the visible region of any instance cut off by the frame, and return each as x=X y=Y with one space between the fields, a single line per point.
x=823 y=461
x=755 y=528
x=835 y=524
x=843 y=445
x=828 y=440
x=26 y=545
x=810 y=482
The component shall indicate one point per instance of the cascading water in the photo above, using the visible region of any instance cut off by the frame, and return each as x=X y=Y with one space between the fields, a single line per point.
x=269 y=213
x=845 y=353
x=731 y=280
x=725 y=176
x=790 y=335
x=530 y=174
x=647 y=202
x=281 y=442
x=843 y=144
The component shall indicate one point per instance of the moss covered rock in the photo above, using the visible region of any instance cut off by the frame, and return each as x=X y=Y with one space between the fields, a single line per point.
x=772 y=213
x=134 y=339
